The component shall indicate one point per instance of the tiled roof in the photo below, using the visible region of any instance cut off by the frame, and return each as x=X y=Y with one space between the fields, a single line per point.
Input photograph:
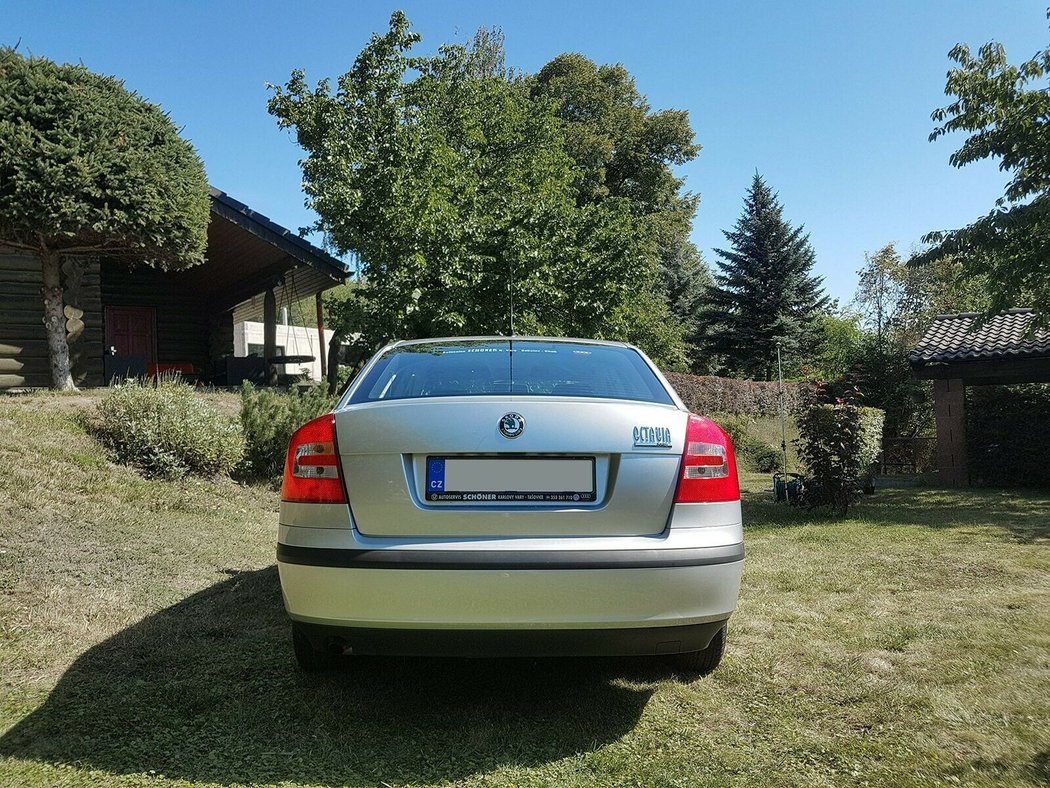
x=954 y=338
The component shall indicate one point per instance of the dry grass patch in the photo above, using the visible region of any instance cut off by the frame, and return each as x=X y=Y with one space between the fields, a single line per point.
x=142 y=642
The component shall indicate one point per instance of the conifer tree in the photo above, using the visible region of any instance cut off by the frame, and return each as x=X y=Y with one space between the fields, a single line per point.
x=764 y=292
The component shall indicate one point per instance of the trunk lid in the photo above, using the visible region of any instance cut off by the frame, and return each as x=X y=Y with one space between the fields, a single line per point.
x=384 y=449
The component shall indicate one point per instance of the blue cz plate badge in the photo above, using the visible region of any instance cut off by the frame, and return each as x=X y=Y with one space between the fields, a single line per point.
x=435 y=476
x=511 y=479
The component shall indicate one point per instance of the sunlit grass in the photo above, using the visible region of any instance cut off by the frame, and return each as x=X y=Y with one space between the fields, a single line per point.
x=142 y=642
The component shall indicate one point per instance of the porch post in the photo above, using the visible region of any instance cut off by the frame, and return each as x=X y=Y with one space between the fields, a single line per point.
x=270 y=335
x=322 y=350
x=950 y=410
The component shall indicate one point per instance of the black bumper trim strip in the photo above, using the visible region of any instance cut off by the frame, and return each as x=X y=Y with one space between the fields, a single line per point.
x=397 y=558
x=641 y=641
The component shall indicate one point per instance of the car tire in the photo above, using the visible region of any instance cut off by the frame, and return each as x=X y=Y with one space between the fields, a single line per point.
x=309 y=658
x=702 y=663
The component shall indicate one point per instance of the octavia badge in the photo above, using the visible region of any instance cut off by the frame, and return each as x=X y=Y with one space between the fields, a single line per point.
x=512 y=425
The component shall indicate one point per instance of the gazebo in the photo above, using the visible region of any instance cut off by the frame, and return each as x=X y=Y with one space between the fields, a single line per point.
x=957 y=351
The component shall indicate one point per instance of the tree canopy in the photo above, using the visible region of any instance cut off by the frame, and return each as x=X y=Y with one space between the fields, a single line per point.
x=87 y=166
x=455 y=183
x=621 y=147
x=1006 y=109
x=764 y=293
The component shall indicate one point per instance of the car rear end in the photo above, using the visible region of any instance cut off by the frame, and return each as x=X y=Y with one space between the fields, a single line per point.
x=496 y=496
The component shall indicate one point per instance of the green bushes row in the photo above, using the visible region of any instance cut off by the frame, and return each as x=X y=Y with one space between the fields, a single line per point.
x=752 y=452
x=165 y=429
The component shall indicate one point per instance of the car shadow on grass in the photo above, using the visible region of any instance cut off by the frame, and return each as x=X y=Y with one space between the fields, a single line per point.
x=207 y=690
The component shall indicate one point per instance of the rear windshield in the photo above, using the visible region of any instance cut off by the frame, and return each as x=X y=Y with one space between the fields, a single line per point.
x=555 y=369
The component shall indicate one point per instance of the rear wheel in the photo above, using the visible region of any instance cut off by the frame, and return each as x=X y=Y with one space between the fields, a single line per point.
x=702 y=662
x=309 y=658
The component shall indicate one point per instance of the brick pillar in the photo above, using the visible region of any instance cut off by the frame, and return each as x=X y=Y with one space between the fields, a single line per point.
x=950 y=409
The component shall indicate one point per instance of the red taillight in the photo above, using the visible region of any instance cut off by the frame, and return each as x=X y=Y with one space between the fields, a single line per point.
x=708 y=464
x=311 y=470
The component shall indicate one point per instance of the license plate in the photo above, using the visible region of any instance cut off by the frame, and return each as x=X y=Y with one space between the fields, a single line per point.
x=511 y=479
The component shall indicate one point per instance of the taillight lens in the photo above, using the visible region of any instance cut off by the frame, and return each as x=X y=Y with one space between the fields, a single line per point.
x=311 y=470
x=708 y=464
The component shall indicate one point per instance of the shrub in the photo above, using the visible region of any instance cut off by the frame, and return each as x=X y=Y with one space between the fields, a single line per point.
x=706 y=394
x=838 y=444
x=768 y=459
x=1007 y=432
x=164 y=429
x=269 y=417
x=872 y=423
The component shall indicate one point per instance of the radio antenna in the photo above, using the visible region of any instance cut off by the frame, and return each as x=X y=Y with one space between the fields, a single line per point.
x=510 y=287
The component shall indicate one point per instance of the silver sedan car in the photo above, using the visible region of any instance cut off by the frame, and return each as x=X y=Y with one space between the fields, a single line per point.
x=510 y=496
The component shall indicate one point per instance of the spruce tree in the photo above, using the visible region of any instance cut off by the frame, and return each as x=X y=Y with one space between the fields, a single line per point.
x=764 y=292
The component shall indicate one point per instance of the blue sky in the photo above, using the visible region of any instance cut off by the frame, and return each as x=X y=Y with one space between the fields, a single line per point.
x=830 y=101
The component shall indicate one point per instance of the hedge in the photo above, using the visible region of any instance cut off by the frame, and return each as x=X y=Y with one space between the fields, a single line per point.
x=752 y=398
x=1007 y=435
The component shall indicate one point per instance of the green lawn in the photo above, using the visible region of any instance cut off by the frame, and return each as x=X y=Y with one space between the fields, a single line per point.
x=142 y=642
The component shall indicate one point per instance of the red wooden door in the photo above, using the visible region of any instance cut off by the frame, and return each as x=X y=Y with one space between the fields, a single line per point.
x=132 y=331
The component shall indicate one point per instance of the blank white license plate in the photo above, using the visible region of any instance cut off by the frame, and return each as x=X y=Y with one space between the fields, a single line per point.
x=540 y=479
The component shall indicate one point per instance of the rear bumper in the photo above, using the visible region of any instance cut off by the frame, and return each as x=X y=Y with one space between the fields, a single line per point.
x=521 y=599
x=536 y=595
x=636 y=641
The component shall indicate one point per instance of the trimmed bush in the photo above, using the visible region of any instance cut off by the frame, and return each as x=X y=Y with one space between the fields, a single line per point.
x=839 y=443
x=1007 y=435
x=164 y=429
x=872 y=423
x=268 y=418
x=706 y=394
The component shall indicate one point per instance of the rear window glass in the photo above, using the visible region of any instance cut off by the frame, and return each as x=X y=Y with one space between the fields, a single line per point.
x=555 y=369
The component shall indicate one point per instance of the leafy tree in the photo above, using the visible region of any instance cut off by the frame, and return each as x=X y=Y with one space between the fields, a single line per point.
x=764 y=293
x=1005 y=108
x=88 y=167
x=453 y=185
x=840 y=342
x=621 y=147
x=897 y=300
x=880 y=289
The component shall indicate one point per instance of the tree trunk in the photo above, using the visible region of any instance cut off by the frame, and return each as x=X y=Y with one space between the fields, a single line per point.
x=55 y=323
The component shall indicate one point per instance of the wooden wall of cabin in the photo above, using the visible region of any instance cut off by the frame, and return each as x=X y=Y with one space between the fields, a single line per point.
x=183 y=326
x=23 y=343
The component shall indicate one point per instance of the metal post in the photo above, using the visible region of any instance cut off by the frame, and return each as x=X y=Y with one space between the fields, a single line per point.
x=270 y=335
x=783 y=428
x=323 y=352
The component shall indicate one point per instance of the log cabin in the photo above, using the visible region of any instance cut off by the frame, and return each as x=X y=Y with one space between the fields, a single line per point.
x=134 y=320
